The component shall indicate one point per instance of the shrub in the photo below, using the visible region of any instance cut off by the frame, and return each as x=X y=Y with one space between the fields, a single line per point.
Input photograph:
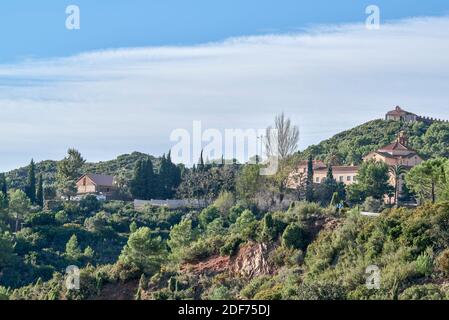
x=442 y=262
x=133 y=227
x=245 y=225
x=89 y=287
x=282 y=256
x=41 y=219
x=97 y=223
x=422 y=292
x=372 y=205
x=255 y=285
x=208 y=215
x=424 y=263
x=201 y=249
x=143 y=251
x=321 y=291
x=216 y=227
x=224 y=202
x=294 y=237
x=235 y=212
x=271 y=227
x=62 y=217
x=219 y=293
x=274 y=293
x=231 y=246
x=4 y=293
x=89 y=204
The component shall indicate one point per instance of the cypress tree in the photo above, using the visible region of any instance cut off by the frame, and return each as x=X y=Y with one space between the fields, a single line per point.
x=3 y=184
x=201 y=162
x=330 y=173
x=40 y=191
x=164 y=179
x=174 y=176
x=3 y=192
x=137 y=184
x=309 y=182
x=330 y=185
x=31 y=182
x=150 y=180
x=169 y=177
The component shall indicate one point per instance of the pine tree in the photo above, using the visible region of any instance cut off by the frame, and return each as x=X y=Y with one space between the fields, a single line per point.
x=309 y=182
x=40 y=191
x=31 y=182
x=72 y=249
x=69 y=170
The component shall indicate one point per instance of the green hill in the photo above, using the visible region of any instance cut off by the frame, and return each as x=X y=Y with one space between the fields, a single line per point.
x=347 y=147
x=350 y=146
x=123 y=164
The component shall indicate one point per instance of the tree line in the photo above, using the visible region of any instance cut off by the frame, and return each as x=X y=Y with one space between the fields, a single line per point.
x=147 y=184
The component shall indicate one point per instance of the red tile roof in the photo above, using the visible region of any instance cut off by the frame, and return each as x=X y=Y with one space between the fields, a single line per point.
x=398 y=112
x=395 y=146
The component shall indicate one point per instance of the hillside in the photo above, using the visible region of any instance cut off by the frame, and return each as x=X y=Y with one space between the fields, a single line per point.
x=350 y=146
x=306 y=253
x=123 y=164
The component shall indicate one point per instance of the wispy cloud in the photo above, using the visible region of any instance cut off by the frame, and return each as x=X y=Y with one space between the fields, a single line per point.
x=327 y=79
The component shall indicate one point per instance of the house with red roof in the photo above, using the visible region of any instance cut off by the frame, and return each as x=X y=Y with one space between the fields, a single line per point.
x=399 y=114
x=397 y=153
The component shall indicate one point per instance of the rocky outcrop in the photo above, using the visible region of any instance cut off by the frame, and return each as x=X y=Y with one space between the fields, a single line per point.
x=250 y=261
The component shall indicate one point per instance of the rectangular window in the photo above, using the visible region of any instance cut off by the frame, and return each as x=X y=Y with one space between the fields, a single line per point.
x=317 y=180
x=341 y=178
x=348 y=178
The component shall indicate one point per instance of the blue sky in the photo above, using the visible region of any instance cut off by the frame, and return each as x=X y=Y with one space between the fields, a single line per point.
x=137 y=70
x=36 y=29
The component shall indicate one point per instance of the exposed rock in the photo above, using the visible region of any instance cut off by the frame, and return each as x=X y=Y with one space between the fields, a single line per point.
x=250 y=261
x=213 y=265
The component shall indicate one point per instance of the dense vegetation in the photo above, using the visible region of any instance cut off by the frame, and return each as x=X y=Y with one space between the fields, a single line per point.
x=350 y=146
x=311 y=253
x=123 y=165
x=256 y=239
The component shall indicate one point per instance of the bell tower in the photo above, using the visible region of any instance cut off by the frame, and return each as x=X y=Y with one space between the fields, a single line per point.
x=402 y=139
